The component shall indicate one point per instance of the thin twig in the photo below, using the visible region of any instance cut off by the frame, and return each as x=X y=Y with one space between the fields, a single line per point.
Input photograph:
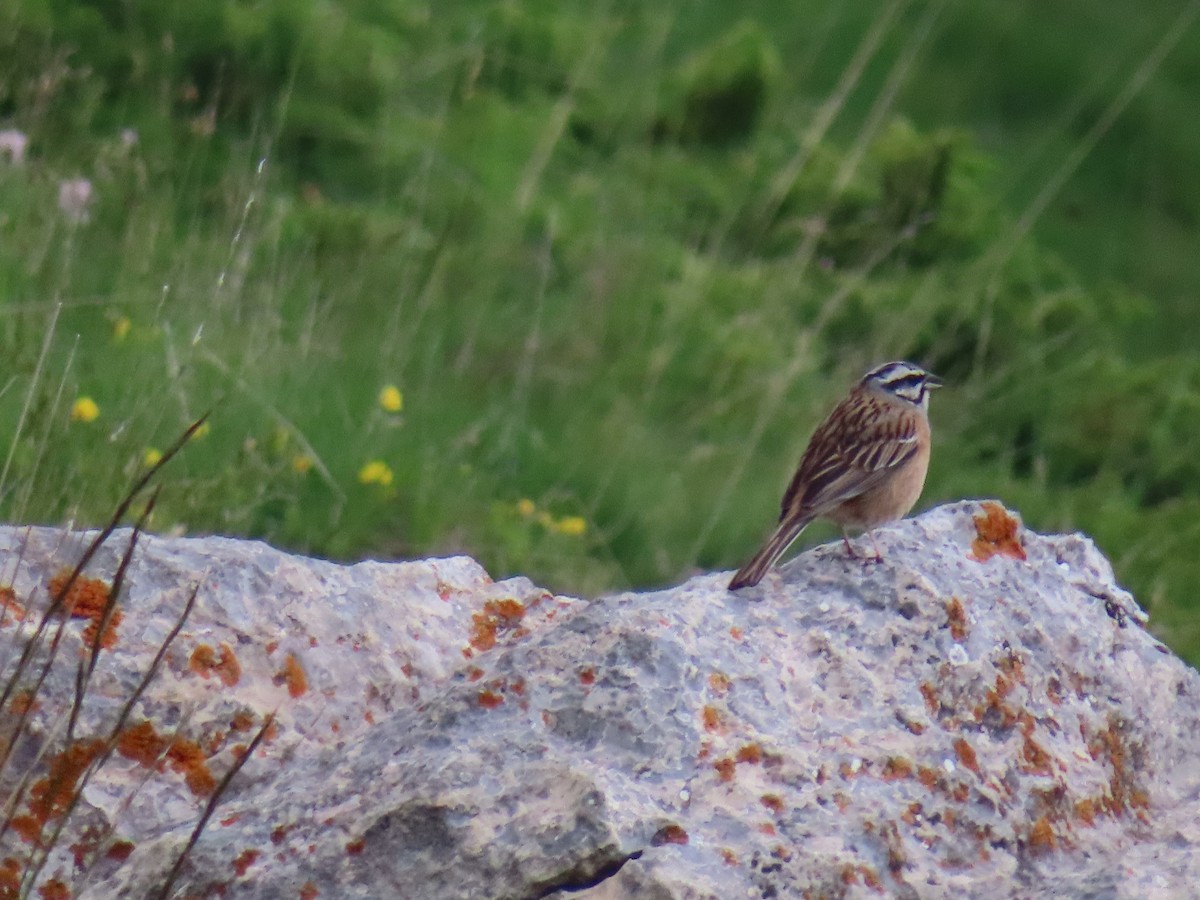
x=87 y=666
x=211 y=807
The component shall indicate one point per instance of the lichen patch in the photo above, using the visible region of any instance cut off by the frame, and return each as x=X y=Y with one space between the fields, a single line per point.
x=222 y=663
x=996 y=534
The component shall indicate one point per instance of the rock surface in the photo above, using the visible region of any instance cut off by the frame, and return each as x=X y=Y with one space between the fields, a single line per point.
x=981 y=714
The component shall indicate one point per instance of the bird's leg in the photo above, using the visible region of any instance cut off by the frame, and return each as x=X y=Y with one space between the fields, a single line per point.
x=875 y=546
x=846 y=540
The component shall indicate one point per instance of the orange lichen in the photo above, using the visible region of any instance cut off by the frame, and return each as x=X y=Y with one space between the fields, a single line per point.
x=354 y=848
x=187 y=758
x=730 y=858
x=725 y=768
x=10 y=877
x=1037 y=760
x=87 y=598
x=912 y=814
x=736 y=633
x=308 y=891
x=244 y=861
x=1041 y=836
x=669 y=834
x=242 y=720
x=199 y=781
x=996 y=533
x=10 y=604
x=768 y=828
x=966 y=754
x=497 y=617
x=50 y=796
x=587 y=677
x=956 y=618
x=1003 y=687
x=995 y=710
x=928 y=777
x=1013 y=665
x=750 y=753
x=141 y=743
x=206 y=662
x=490 y=699
x=773 y=802
x=712 y=719
x=1085 y=811
x=719 y=682
x=108 y=640
x=781 y=852
x=279 y=833
x=27 y=827
x=871 y=879
x=215 y=741
x=54 y=890
x=1123 y=791
x=120 y=850
x=897 y=767
x=292 y=674
x=474 y=673
x=929 y=692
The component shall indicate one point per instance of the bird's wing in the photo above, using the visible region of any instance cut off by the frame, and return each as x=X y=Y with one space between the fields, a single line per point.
x=851 y=452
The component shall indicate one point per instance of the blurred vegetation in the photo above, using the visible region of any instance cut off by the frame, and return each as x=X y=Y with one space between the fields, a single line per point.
x=616 y=259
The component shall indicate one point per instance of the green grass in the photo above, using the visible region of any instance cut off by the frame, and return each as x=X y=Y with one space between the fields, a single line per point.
x=612 y=258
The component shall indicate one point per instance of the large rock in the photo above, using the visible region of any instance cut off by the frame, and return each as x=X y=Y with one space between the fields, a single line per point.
x=980 y=714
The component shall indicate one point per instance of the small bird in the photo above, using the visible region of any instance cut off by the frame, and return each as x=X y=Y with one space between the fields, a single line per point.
x=864 y=465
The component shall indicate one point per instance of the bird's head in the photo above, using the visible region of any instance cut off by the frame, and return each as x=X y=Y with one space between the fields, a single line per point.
x=904 y=380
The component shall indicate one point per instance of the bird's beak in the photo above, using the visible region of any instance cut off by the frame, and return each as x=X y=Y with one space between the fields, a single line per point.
x=932 y=380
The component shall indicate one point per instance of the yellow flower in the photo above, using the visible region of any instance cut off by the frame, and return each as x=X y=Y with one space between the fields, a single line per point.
x=391 y=399
x=375 y=472
x=525 y=507
x=84 y=410
x=121 y=328
x=301 y=463
x=151 y=457
x=574 y=526
x=200 y=432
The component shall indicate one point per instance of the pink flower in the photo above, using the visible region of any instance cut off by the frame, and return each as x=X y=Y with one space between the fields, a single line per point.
x=13 y=144
x=75 y=198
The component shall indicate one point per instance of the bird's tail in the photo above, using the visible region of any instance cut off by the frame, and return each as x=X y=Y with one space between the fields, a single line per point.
x=752 y=572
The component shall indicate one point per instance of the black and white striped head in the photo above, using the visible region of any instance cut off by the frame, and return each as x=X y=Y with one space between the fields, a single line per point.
x=904 y=380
